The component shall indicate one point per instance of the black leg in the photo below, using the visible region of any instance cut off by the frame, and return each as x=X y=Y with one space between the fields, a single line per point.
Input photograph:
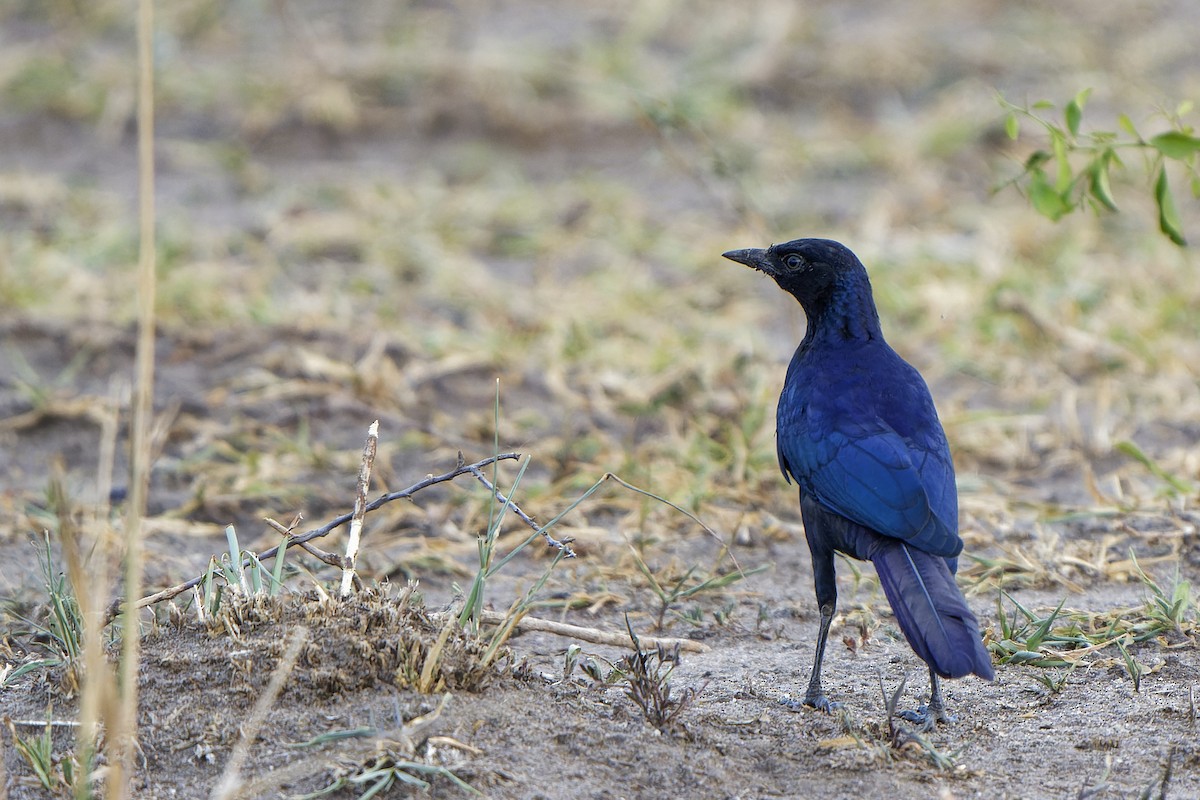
x=930 y=714
x=814 y=697
x=817 y=530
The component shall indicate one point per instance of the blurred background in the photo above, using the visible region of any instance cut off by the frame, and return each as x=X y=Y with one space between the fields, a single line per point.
x=376 y=210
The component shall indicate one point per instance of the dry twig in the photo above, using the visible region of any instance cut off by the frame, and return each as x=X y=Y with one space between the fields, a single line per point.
x=593 y=635
x=564 y=545
x=360 y=507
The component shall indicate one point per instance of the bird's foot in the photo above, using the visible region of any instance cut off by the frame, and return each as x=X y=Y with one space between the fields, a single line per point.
x=927 y=716
x=818 y=701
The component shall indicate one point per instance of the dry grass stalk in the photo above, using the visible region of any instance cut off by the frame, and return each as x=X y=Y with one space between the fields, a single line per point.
x=429 y=670
x=230 y=784
x=125 y=732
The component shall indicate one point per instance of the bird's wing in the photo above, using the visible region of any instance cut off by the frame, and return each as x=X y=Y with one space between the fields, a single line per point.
x=871 y=475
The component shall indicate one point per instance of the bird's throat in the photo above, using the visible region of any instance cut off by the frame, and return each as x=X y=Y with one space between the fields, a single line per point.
x=844 y=317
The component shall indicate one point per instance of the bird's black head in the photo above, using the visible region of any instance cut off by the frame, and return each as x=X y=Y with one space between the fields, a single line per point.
x=827 y=279
x=810 y=269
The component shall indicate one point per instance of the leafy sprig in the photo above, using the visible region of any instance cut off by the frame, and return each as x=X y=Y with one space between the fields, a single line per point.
x=1076 y=167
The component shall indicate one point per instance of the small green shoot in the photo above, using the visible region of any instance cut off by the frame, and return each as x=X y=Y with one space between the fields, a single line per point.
x=1131 y=666
x=38 y=752
x=61 y=633
x=1175 y=484
x=1055 y=681
x=1062 y=639
x=487 y=549
x=518 y=609
x=1170 y=610
x=1035 y=639
x=41 y=392
x=1023 y=635
x=685 y=587
x=500 y=504
x=239 y=570
x=56 y=774
x=571 y=660
x=591 y=667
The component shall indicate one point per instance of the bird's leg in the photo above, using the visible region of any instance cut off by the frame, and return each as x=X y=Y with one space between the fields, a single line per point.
x=814 y=697
x=933 y=712
x=820 y=545
x=936 y=709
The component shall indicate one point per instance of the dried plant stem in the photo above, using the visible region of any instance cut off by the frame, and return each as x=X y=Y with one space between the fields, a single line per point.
x=592 y=635
x=231 y=780
x=360 y=507
x=125 y=733
x=427 y=680
x=92 y=582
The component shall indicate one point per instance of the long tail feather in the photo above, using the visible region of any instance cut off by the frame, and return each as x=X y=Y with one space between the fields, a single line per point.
x=931 y=610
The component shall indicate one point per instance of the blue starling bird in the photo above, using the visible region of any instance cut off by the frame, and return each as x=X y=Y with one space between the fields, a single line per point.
x=858 y=433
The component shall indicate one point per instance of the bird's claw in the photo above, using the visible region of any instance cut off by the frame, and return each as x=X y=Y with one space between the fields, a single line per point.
x=927 y=717
x=820 y=702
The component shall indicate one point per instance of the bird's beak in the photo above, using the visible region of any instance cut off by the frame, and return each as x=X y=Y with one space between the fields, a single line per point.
x=753 y=257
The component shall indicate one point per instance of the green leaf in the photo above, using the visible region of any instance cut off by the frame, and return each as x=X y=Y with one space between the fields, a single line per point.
x=1034 y=641
x=1098 y=183
x=1176 y=144
x=1063 y=181
x=1045 y=199
x=1127 y=125
x=1012 y=126
x=1133 y=451
x=1074 y=111
x=1073 y=114
x=1036 y=159
x=1043 y=104
x=1168 y=216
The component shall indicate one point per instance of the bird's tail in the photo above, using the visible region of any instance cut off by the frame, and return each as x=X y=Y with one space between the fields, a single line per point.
x=931 y=610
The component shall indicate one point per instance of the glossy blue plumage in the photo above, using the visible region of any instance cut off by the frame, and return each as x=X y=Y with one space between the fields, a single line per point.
x=857 y=429
x=858 y=433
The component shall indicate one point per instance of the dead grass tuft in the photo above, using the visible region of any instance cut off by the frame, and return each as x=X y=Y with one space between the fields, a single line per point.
x=376 y=637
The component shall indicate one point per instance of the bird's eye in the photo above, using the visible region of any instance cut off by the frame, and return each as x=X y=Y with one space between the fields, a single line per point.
x=793 y=262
